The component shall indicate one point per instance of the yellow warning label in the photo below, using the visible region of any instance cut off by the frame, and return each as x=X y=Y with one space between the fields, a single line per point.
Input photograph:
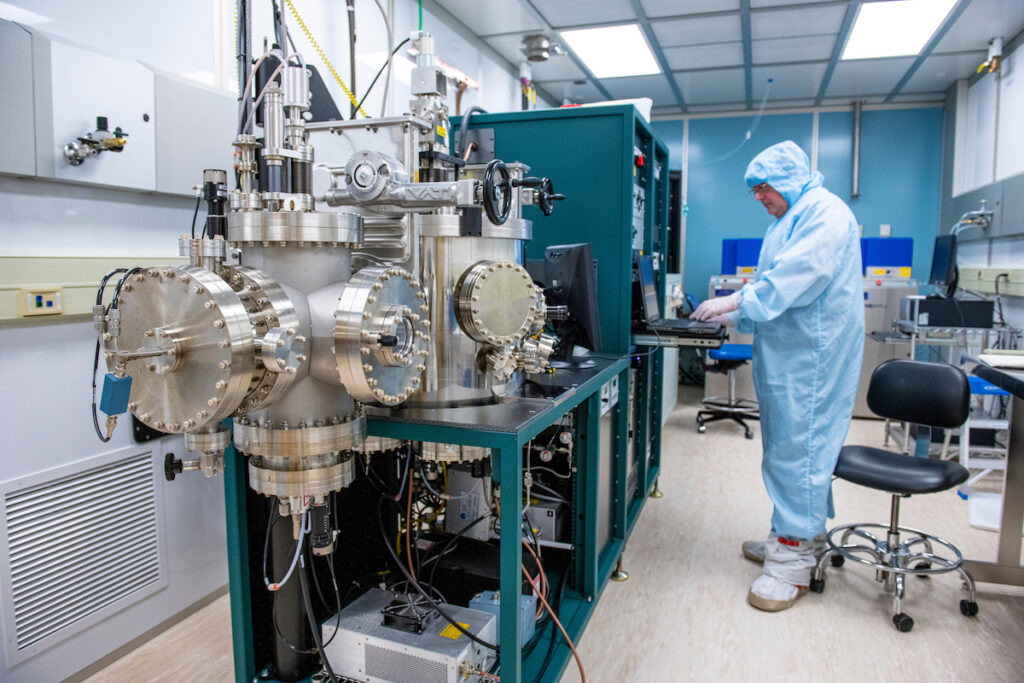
x=451 y=632
x=904 y=272
x=879 y=271
x=441 y=131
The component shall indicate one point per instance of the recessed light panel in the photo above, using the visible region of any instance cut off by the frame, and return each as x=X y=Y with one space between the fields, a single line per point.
x=898 y=28
x=613 y=51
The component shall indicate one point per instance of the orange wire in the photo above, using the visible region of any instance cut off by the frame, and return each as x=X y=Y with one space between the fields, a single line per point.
x=576 y=655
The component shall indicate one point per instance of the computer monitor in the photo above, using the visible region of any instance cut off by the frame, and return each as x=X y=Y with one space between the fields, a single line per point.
x=944 y=272
x=570 y=274
x=648 y=292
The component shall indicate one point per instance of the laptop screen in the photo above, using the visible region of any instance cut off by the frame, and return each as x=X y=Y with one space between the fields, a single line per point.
x=647 y=290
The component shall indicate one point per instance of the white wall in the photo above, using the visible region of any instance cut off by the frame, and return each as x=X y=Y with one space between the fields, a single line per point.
x=47 y=415
x=990 y=140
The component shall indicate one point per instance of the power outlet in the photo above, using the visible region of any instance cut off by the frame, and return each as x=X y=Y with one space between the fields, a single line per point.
x=41 y=301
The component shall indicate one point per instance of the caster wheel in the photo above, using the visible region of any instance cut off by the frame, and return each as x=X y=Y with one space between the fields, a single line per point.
x=749 y=434
x=701 y=429
x=923 y=565
x=968 y=608
x=817 y=585
x=838 y=560
x=902 y=622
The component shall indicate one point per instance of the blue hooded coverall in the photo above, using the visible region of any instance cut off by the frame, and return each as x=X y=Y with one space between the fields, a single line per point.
x=806 y=311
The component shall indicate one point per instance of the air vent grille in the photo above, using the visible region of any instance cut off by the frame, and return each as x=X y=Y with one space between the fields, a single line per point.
x=80 y=546
x=398 y=667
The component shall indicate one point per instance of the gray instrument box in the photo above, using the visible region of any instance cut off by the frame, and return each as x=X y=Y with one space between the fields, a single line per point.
x=366 y=650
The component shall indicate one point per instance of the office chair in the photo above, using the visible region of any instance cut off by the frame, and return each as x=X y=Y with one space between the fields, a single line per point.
x=728 y=357
x=932 y=394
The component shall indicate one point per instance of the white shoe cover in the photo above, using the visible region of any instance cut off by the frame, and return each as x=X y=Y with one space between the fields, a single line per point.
x=773 y=595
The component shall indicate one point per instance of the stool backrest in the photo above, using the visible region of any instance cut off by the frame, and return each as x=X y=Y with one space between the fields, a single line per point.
x=932 y=394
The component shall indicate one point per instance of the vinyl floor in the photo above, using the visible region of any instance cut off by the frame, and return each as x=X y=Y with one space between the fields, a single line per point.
x=683 y=616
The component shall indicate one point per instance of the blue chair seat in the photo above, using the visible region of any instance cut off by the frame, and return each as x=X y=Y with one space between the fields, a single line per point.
x=981 y=387
x=733 y=352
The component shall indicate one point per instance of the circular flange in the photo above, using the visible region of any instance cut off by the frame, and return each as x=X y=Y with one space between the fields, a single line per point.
x=446 y=452
x=213 y=438
x=495 y=302
x=322 y=476
x=380 y=338
x=203 y=326
x=272 y=313
x=316 y=227
x=302 y=442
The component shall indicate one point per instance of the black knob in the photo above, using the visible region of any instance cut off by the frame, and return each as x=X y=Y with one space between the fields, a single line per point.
x=101 y=123
x=172 y=467
x=387 y=340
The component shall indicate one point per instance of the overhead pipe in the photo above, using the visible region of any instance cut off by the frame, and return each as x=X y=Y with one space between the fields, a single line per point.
x=858 y=108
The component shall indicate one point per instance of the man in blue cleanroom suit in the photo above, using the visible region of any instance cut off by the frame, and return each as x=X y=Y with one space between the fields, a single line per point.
x=806 y=311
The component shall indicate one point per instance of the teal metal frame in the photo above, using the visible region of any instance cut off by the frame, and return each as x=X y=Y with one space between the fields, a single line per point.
x=507 y=460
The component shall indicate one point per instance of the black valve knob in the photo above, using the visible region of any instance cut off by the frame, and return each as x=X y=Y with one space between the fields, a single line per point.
x=387 y=340
x=172 y=467
x=546 y=197
x=101 y=123
x=497 y=192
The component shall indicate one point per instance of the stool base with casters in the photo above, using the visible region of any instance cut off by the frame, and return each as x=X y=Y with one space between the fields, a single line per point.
x=728 y=357
x=931 y=394
x=893 y=558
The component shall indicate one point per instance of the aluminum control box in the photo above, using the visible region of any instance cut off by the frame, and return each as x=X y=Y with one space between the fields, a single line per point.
x=366 y=650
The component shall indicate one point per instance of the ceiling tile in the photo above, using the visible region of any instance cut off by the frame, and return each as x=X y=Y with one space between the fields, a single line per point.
x=796 y=22
x=939 y=71
x=756 y=4
x=789 y=104
x=938 y=96
x=668 y=8
x=789 y=82
x=655 y=87
x=867 y=76
x=510 y=47
x=697 y=31
x=707 y=108
x=711 y=86
x=492 y=17
x=703 y=56
x=557 y=69
x=793 y=49
x=981 y=21
x=574 y=91
x=561 y=14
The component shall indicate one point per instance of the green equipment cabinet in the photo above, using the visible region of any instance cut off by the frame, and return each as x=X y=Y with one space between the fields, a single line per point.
x=613 y=170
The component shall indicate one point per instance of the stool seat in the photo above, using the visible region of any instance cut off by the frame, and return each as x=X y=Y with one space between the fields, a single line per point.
x=897 y=473
x=982 y=387
x=732 y=352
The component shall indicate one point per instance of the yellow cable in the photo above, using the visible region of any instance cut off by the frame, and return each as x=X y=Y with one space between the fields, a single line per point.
x=323 y=57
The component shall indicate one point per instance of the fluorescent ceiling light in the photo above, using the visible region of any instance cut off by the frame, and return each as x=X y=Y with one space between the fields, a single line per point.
x=897 y=28
x=613 y=51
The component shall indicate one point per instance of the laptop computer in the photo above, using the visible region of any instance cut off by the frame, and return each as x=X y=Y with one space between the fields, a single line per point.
x=652 y=322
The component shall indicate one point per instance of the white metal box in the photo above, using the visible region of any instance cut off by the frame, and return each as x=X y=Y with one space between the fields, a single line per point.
x=366 y=650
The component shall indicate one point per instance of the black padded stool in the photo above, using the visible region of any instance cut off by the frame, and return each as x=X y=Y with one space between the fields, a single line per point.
x=932 y=394
x=727 y=359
